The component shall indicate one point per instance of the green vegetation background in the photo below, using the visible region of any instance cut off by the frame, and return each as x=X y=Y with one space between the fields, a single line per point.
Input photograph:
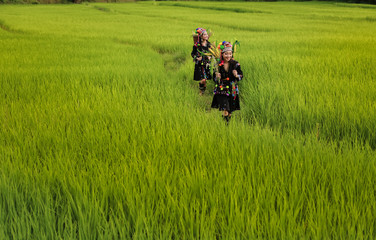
x=122 y=1
x=103 y=134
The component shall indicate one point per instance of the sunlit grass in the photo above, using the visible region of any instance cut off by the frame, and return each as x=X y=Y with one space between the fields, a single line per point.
x=103 y=134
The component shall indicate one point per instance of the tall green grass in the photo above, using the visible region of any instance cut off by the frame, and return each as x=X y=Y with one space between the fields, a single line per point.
x=103 y=134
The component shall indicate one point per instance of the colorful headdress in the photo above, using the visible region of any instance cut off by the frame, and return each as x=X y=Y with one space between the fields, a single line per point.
x=200 y=31
x=225 y=46
x=197 y=34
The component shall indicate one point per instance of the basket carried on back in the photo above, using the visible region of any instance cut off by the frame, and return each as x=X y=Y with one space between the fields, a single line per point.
x=195 y=38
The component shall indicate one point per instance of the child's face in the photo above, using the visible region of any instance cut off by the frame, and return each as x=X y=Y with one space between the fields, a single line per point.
x=205 y=36
x=227 y=56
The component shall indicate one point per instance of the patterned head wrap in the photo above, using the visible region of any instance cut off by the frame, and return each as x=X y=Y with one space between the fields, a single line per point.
x=200 y=31
x=225 y=46
x=198 y=34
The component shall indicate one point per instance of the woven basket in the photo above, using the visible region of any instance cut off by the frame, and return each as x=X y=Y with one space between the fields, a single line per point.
x=195 y=38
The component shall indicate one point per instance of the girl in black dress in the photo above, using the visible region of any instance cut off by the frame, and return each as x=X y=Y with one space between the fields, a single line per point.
x=202 y=62
x=226 y=92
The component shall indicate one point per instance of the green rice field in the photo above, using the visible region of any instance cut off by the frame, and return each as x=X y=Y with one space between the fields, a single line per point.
x=103 y=134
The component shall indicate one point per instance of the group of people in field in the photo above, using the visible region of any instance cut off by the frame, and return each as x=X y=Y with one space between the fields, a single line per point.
x=226 y=72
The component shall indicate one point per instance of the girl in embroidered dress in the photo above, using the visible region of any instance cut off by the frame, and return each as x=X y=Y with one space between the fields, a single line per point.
x=226 y=92
x=202 y=62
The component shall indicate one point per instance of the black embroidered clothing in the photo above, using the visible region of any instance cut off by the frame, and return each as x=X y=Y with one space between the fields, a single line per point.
x=202 y=68
x=226 y=91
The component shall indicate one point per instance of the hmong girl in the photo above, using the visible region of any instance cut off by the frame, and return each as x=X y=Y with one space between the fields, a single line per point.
x=202 y=62
x=226 y=92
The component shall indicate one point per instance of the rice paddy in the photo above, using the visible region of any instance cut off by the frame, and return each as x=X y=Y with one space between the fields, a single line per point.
x=104 y=136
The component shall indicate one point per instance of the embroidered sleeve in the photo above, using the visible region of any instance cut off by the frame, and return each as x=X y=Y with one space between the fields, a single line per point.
x=194 y=52
x=239 y=70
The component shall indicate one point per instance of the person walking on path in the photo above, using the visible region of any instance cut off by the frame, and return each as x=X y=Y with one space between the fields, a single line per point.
x=202 y=62
x=226 y=91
